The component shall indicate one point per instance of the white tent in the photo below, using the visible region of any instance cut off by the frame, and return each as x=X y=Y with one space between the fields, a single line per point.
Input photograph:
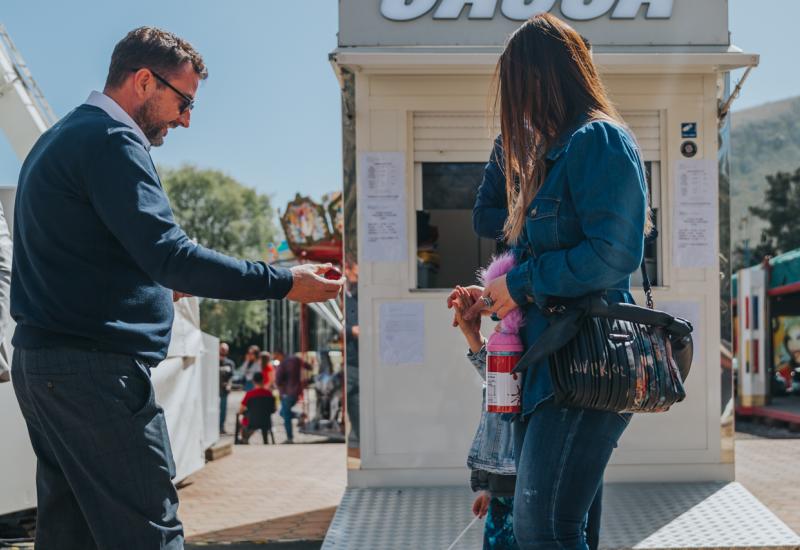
x=186 y=385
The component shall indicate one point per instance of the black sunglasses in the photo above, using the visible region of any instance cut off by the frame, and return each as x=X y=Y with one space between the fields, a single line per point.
x=188 y=102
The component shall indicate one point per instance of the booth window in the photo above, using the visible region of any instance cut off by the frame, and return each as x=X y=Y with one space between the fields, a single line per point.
x=446 y=184
x=448 y=251
x=652 y=249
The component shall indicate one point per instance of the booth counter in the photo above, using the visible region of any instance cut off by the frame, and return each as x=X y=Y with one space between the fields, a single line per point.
x=418 y=128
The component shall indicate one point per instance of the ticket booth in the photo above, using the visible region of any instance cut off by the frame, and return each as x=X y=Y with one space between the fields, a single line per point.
x=418 y=127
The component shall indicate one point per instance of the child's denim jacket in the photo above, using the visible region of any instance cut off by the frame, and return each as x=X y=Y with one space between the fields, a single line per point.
x=584 y=230
x=493 y=446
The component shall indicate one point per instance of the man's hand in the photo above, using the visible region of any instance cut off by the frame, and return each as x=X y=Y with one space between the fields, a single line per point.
x=309 y=285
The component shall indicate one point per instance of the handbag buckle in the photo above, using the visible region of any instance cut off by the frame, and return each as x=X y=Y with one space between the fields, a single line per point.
x=620 y=337
x=556 y=309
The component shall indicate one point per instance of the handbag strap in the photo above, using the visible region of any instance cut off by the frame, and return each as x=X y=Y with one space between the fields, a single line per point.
x=648 y=289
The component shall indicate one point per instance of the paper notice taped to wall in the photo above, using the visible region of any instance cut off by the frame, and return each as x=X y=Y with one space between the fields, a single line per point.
x=382 y=196
x=402 y=333
x=695 y=214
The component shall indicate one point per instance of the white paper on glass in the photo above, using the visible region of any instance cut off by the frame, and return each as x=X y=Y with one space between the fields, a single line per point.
x=402 y=333
x=691 y=312
x=694 y=221
x=382 y=196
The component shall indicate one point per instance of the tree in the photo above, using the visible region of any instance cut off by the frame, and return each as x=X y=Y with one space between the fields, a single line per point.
x=780 y=210
x=224 y=215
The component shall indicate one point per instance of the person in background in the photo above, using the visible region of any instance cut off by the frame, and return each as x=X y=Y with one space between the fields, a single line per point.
x=289 y=379
x=6 y=250
x=491 y=456
x=98 y=261
x=226 y=368
x=249 y=367
x=267 y=369
x=352 y=332
x=257 y=408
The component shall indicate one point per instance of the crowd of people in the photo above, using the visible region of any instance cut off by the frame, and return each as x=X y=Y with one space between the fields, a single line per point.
x=263 y=376
x=99 y=260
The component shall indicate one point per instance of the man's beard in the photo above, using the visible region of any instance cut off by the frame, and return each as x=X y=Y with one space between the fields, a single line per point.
x=152 y=127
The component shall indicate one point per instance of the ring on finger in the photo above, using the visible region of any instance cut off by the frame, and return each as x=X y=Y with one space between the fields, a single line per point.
x=487 y=301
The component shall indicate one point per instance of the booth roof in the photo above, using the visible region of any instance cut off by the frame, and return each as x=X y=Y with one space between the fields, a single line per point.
x=785 y=271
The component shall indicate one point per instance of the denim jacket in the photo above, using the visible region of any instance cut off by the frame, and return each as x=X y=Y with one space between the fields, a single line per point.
x=583 y=231
x=493 y=446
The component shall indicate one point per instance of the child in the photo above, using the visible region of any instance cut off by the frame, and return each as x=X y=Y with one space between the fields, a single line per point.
x=491 y=457
x=257 y=407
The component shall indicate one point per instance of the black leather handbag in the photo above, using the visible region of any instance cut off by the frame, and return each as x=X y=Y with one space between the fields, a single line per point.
x=614 y=357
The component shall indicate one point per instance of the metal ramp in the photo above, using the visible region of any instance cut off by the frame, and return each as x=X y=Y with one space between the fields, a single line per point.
x=652 y=516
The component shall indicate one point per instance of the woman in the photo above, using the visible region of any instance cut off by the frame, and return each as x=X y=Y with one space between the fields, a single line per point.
x=267 y=369
x=249 y=367
x=577 y=210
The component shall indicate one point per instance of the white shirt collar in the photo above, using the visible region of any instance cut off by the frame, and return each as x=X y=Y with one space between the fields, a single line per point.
x=112 y=108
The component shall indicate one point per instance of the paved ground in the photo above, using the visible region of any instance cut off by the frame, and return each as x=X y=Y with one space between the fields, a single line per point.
x=265 y=492
x=766 y=458
x=289 y=493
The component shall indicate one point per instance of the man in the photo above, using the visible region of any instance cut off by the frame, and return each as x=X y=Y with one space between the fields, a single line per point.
x=98 y=260
x=290 y=385
x=352 y=332
x=226 y=367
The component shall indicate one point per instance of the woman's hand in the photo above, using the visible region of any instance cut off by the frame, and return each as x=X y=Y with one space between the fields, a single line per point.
x=496 y=293
x=480 y=505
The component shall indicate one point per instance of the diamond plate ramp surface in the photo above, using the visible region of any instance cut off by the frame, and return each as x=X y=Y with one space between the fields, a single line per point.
x=408 y=518
x=635 y=516
x=690 y=515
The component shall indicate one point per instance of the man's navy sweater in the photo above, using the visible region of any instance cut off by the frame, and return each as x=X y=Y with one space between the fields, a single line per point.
x=97 y=251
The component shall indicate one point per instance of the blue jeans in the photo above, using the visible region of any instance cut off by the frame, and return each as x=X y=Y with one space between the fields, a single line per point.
x=223 y=411
x=563 y=453
x=287 y=402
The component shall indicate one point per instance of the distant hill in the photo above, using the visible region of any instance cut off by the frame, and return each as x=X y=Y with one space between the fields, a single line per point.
x=764 y=140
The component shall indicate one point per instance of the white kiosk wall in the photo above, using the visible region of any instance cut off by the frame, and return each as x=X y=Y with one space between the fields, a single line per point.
x=428 y=104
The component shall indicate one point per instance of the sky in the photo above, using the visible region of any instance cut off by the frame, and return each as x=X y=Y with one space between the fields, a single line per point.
x=269 y=114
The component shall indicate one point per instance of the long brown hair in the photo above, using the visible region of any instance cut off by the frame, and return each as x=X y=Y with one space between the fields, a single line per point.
x=546 y=82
